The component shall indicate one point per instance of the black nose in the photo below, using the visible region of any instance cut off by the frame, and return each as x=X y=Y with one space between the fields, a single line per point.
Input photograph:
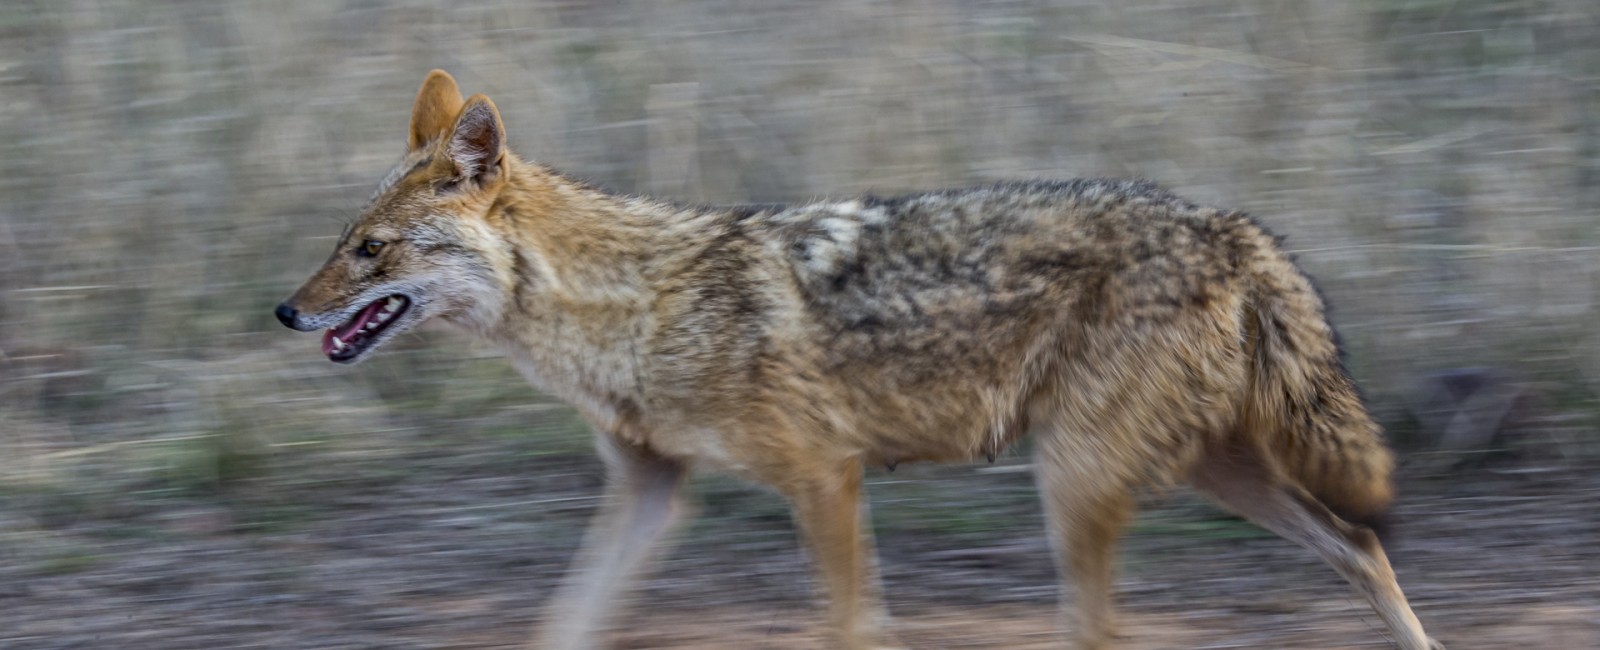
x=286 y=314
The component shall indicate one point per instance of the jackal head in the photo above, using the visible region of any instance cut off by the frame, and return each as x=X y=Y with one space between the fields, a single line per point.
x=421 y=247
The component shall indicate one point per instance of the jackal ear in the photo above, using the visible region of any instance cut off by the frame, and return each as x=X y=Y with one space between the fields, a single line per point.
x=438 y=102
x=477 y=143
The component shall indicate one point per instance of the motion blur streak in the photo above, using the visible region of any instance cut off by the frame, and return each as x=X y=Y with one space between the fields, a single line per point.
x=176 y=470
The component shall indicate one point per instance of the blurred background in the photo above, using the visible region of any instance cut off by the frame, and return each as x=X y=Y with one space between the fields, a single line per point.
x=179 y=471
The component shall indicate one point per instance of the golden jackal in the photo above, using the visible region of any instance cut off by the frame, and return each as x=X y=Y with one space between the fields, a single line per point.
x=1138 y=337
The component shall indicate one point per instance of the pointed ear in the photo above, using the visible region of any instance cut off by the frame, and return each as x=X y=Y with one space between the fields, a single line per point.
x=438 y=102
x=477 y=143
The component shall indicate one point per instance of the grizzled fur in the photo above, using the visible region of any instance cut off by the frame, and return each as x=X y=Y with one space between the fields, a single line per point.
x=1136 y=336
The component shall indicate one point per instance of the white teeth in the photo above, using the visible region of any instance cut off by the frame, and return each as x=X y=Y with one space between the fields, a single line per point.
x=372 y=325
x=388 y=310
x=338 y=344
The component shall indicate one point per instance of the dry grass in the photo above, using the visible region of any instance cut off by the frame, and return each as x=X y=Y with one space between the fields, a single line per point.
x=172 y=169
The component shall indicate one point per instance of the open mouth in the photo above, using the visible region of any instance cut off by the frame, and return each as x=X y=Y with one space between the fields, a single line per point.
x=347 y=341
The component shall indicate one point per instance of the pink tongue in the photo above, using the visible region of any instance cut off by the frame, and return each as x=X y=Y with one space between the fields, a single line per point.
x=349 y=330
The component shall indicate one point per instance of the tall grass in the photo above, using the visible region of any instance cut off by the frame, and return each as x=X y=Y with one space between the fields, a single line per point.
x=172 y=169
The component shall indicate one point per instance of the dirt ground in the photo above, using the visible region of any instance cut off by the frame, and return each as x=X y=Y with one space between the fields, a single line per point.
x=460 y=555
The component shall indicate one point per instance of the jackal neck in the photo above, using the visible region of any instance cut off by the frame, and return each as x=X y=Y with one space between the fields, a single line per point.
x=589 y=247
x=580 y=278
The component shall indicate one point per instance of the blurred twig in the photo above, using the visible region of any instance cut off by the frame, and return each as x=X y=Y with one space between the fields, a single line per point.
x=1195 y=51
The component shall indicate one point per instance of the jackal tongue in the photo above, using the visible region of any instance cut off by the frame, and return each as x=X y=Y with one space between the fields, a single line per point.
x=349 y=331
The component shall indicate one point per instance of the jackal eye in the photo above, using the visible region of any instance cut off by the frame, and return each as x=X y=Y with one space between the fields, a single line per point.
x=369 y=248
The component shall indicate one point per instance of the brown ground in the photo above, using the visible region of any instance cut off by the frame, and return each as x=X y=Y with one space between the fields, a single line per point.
x=459 y=555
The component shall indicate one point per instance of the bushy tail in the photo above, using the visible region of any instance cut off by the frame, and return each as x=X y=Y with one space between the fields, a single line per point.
x=1303 y=404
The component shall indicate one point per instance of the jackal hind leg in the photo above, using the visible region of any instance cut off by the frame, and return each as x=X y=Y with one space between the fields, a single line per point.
x=640 y=505
x=1087 y=502
x=1239 y=476
x=831 y=515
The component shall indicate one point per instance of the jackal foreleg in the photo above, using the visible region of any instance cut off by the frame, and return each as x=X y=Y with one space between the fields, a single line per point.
x=831 y=514
x=640 y=505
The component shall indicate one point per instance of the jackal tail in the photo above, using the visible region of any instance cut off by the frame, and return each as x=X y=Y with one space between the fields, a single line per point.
x=1302 y=402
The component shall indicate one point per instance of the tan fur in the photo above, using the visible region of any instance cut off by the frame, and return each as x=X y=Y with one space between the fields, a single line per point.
x=438 y=103
x=1137 y=336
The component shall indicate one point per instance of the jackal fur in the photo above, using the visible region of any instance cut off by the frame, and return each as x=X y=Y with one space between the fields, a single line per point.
x=1137 y=337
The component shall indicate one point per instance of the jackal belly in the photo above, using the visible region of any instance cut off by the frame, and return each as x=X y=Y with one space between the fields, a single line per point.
x=875 y=413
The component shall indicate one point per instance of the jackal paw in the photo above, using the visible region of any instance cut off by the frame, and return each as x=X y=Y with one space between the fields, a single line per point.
x=1105 y=638
x=884 y=644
